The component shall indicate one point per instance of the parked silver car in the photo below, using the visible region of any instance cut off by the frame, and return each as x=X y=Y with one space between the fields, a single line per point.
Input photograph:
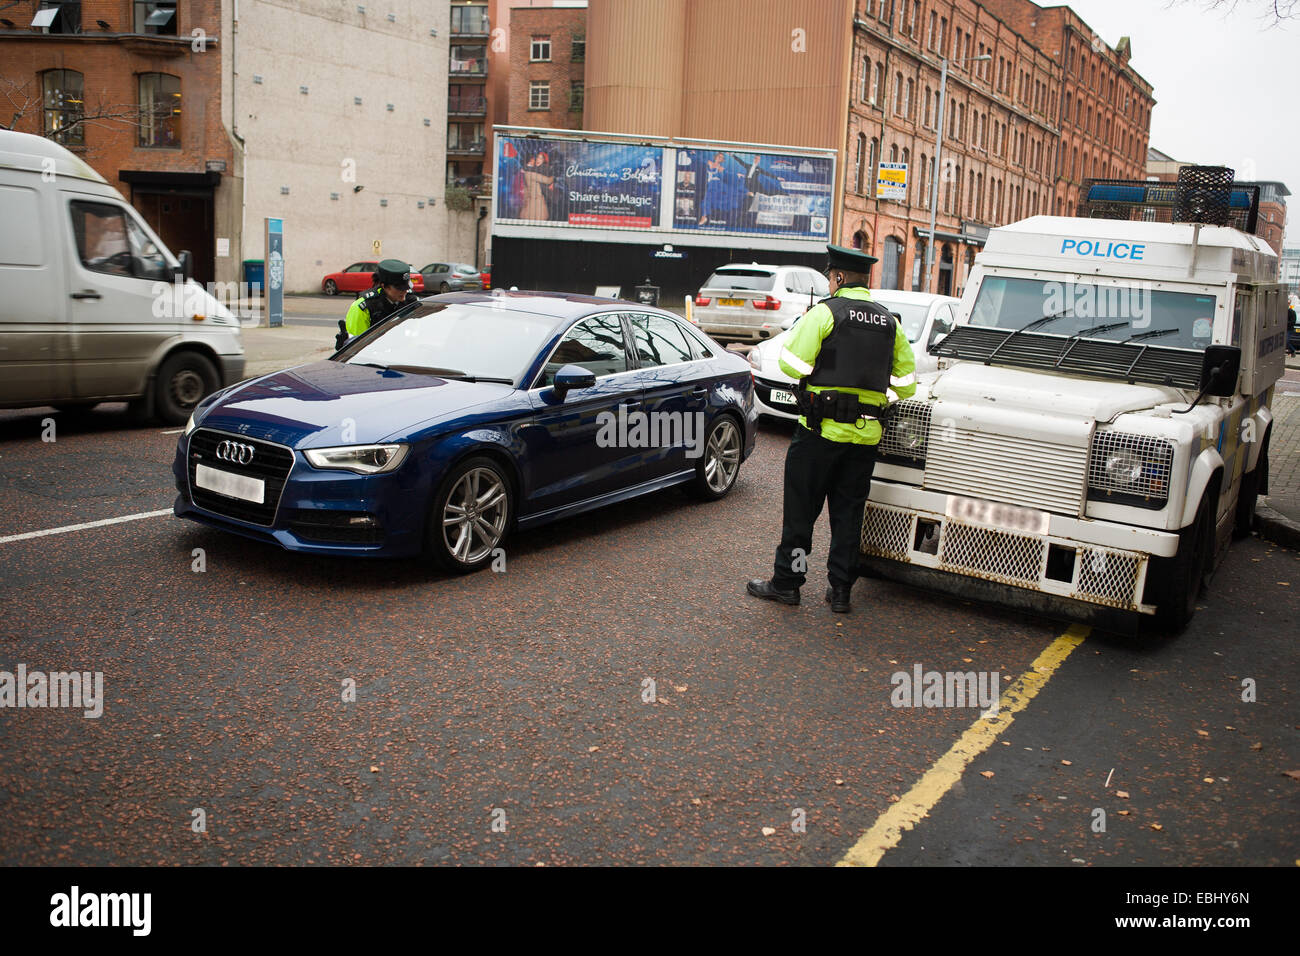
x=924 y=317
x=450 y=277
x=755 y=302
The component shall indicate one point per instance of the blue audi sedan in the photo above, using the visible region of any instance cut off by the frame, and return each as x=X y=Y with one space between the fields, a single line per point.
x=470 y=414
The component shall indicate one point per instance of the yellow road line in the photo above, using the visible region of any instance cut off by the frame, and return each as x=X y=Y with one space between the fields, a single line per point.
x=947 y=770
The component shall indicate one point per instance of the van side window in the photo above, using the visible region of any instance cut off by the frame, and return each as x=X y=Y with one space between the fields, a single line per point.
x=108 y=240
x=100 y=231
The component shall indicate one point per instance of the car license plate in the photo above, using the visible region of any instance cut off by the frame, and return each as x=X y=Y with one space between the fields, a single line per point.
x=992 y=514
x=232 y=486
x=780 y=397
x=731 y=302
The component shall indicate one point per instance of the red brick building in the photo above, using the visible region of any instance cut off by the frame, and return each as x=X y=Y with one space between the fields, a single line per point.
x=1105 y=106
x=134 y=90
x=999 y=135
x=547 y=68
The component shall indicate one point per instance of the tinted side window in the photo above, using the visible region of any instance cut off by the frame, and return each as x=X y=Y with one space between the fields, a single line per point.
x=596 y=344
x=659 y=341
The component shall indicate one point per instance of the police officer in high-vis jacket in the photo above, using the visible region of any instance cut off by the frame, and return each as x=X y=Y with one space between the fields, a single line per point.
x=392 y=288
x=852 y=359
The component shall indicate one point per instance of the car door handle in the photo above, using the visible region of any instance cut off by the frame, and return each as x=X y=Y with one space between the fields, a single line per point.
x=630 y=403
x=86 y=294
x=699 y=392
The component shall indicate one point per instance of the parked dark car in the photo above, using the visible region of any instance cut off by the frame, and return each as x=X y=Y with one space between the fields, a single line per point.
x=462 y=417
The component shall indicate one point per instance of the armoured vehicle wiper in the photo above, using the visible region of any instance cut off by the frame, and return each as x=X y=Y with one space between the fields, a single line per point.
x=1098 y=329
x=1152 y=334
x=1025 y=328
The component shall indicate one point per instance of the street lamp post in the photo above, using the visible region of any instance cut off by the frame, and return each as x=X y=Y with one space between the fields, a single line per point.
x=938 y=162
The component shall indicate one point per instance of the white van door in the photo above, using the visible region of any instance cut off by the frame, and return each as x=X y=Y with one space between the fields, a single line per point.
x=35 y=338
x=119 y=322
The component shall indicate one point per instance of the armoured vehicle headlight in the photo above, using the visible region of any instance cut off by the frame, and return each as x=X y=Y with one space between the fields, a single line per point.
x=906 y=431
x=1134 y=468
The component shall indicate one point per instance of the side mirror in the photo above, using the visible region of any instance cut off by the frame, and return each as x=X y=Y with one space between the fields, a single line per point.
x=572 y=376
x=186 y=267
x=1220 y=368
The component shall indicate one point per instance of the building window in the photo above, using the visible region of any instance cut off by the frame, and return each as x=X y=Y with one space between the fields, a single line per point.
x=860 y=160
x=468 y=60
x=58 y=16
x=929 y=36
x=577 y=89
x=469 y=19
x=160 y=111
x=906 y=156
x=155 y=17
x=541 y=50
x=465 y=137
x=923 y=194
x=916 y=15
x=907 y=100
x=578 y=49
x=871 y=166
x=539 y=95
x=898 y=94
x=864 y=77
x=877 y=79
x=63 y=95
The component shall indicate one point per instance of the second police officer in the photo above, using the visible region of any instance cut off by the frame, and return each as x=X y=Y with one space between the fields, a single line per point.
x=392 y=289
x=852 y=359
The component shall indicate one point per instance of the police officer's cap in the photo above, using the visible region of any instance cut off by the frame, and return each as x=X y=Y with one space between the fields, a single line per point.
x=394 y=272
x=850 y=260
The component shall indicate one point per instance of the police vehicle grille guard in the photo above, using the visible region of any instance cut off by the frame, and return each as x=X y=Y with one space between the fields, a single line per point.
x=1007 y=468
x=271 y=463
x=906 y=432
x=1103 y=576
x=1124 y=361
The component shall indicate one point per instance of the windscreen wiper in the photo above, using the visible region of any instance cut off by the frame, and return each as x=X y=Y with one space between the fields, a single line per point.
x=1077 y=337
x=450 y=373
x=1152 y=334
x=1025 y=328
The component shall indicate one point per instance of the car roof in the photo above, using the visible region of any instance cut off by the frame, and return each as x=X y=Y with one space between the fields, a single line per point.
x=563 y=307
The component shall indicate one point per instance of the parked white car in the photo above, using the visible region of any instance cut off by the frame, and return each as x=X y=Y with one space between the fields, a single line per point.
x=925 y=318
x=755 y=302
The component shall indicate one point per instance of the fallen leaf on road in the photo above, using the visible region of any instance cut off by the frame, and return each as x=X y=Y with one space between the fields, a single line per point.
x=1256 y=746
x=1122 y=813
x=680 y=690
x=839 y=782
x=374 y=769
x=1207 y=780
x=768 y=831
x=966 y=660
x=592 y=750
x=1202 y=733
x=1122 y=794
x=1156 y=826
x=894 y=798
x=697 y=801
x=1285 y=584
x=1293 y=774
x=1067 y=763
x=986 y=773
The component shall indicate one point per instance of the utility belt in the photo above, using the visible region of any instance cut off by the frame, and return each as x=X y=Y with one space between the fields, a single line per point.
x=836 y=406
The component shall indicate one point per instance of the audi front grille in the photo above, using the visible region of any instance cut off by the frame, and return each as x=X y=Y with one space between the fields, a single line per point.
x=268 y=462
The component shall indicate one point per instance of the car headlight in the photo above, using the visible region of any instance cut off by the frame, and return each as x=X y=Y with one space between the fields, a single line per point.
x=1134 y=467
x=755 y=358
x=906 y=431
x=362 y=459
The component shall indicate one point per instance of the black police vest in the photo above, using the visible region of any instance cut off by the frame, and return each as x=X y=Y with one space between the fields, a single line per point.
x=379 y=306
x=859 y=352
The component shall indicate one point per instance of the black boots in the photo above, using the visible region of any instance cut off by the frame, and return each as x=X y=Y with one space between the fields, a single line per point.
x=838 y=597
x=763 y=589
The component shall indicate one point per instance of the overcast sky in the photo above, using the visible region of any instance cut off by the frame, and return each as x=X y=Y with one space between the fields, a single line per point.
x=1227 y=85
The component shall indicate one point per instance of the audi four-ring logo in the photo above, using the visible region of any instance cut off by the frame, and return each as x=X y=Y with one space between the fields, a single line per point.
x=237 y=453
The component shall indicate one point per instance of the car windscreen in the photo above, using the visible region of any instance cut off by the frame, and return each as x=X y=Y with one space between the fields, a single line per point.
x=757 y=280
x=456 y=340
x=911 y=315
x=1116 y=313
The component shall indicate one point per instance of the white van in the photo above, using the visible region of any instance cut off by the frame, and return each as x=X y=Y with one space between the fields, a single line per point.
x=93 y=306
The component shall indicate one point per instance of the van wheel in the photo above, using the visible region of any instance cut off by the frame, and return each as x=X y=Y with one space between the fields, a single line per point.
x=470 y=517
x=331 y=287
x=184 y=380
x=1186 y=571
x=1248 y=496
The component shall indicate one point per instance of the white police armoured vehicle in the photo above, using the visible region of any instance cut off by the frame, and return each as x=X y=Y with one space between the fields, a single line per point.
x=1099 y=423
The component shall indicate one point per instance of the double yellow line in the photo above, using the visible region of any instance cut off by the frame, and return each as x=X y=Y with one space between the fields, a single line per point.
x=947 y=770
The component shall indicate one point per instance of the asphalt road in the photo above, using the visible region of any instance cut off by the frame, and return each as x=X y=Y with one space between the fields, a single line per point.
x=519 y=700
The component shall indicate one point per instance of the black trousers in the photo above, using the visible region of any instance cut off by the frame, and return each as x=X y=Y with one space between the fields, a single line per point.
x=819 y=470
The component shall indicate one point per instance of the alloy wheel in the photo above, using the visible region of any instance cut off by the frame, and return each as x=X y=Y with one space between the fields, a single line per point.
x=474 y=518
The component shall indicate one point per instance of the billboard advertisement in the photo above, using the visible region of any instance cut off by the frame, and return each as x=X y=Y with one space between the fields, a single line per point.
x=768 y=194
x=575 y=183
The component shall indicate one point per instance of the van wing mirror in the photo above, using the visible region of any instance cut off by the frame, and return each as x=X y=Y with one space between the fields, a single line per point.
x=186 y=268
x=1220 y=368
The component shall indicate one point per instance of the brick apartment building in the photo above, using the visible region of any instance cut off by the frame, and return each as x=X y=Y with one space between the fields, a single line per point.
x=1105 y=106
x=131 y=88
x=468 y=95
x=999 y=135
x=547 y=67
